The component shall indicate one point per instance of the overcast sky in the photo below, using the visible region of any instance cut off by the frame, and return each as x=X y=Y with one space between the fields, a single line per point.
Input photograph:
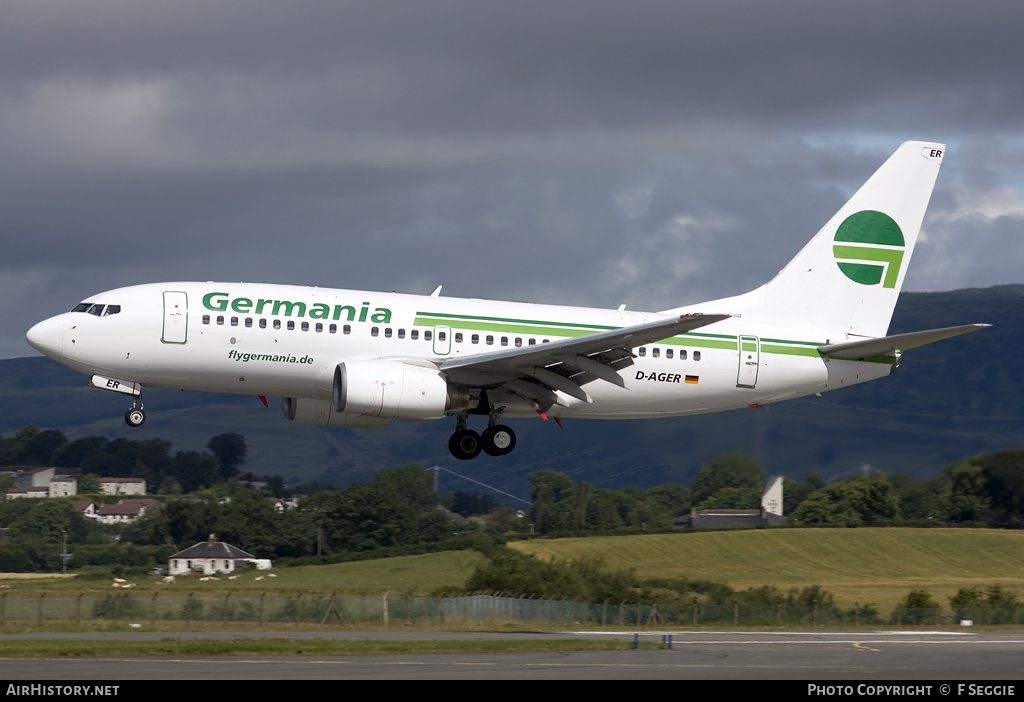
x=578 y=152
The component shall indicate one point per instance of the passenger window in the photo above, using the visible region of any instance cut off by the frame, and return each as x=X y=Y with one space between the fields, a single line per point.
x=519 y=342
x=475 y=339
x=206 y=319
x=291 y=325
x=263 y=324
x=277 y=324
x=504 y=341
x=305 y=326
x=374 y=331
x=668 y=353
x=696 y=355
x=414 y=334
x=248 y=322
x=642 y=351
x=387 y=332
x=490 y=340
x=319 y=327
x=655 y=352
x=458 y=337
x=333 y=329
x=220 y=319
x=401 y=333
x=533 y=342
x=347 y=329
x=441 y=336
x=682 y=355
x=428 y=335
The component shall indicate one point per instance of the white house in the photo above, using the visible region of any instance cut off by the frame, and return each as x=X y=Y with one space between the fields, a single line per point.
x=124 y=511
x=213 y=557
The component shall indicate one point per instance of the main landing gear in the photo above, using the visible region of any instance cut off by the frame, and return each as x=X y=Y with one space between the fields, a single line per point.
x=496 y=440
x=136 y=416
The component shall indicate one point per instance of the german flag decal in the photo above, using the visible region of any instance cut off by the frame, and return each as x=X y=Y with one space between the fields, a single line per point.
x=692 y=379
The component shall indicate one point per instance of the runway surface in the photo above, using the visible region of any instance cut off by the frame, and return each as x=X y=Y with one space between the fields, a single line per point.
x=804 y=656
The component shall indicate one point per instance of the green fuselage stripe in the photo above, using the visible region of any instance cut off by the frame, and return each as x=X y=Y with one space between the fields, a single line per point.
x=528 y=327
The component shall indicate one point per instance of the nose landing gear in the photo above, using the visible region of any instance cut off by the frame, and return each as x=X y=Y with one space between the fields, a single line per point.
x=135 y=416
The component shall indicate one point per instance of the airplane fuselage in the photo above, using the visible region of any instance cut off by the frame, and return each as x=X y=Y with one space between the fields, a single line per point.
x=282 y=340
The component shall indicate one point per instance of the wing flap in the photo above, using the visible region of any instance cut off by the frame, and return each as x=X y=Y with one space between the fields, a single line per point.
x=568 y=364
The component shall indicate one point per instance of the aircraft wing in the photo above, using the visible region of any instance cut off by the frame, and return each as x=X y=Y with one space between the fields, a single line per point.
x=568 y=364
x=855 y=350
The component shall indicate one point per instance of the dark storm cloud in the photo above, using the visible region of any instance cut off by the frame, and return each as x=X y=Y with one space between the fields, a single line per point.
x=581 y=152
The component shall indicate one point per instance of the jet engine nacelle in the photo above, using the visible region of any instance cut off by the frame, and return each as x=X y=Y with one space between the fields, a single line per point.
x=300 y=409
x=394 y=390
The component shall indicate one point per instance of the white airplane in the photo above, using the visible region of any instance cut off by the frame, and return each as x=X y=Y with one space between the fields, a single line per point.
x=360 y=359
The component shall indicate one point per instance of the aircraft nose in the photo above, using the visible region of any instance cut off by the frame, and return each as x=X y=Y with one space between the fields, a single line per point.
x=47 y=337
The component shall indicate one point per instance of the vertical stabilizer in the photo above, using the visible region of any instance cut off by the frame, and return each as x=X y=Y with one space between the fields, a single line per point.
x=771 y=500
x=845 y=281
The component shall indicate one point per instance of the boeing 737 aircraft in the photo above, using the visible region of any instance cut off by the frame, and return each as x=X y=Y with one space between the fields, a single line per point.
x=353 y=358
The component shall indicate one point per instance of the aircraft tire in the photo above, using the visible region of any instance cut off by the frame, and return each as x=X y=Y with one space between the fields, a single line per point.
x=465 y=444
x=135 y=417
x=498 y=440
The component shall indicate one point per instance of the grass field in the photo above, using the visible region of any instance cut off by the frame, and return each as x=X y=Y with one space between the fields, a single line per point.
x=863 y=566
x=877 y=566
x=413 y=575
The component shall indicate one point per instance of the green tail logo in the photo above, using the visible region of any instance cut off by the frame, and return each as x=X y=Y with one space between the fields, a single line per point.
x=869 y=248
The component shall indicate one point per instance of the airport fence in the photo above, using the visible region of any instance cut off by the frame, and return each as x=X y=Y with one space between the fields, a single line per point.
x=269 y=609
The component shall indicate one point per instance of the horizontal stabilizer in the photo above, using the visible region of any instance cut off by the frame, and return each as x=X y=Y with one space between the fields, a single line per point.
x=855 y=350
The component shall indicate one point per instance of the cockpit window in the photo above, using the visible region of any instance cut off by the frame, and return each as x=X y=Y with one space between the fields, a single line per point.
x=98 y=310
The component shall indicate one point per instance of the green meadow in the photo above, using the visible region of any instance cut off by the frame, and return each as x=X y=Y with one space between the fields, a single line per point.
x=864 y=565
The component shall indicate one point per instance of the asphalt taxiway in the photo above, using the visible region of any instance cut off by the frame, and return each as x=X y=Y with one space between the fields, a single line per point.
x=880 y=655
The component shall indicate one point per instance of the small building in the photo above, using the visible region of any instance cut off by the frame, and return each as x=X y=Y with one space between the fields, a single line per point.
x=34 y=476
x=123 y=486
x=86 y=508
x=63 y=486
x=769 y=515
x=32 y=492
x=214 y=557
x=124 y=511
x=42 y=481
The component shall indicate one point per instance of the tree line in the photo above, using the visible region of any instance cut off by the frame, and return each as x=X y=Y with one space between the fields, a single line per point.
x=980 y=491
x=399 y=509
x=165 y=472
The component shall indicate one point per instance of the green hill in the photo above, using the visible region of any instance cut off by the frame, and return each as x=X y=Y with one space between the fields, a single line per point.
x=863 y=566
